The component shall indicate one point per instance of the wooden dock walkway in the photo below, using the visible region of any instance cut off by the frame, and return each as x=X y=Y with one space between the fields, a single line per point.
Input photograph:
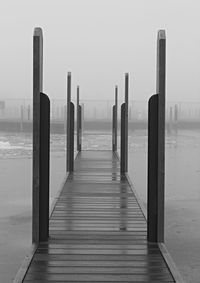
x=98 y=232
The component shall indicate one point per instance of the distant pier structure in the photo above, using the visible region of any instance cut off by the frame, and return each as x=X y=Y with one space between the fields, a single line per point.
x=98 y=229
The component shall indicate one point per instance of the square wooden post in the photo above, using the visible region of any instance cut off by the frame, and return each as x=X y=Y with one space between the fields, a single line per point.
x=156 y=149
x=37 y=88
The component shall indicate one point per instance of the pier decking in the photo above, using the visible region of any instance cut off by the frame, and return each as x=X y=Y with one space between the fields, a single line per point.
x=98 y=232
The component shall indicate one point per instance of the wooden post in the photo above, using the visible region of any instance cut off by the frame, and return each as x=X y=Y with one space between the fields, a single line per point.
x=156 y=150
x=71 y=135
x=78 y=122
x=80 y=128
x=82 y=118
x=116 y=116
x=68 y=119
x=126 y=121
x=152 y=201
x=37 y=88
x=44 y=167
x=124 y=130
x=114 y=123
x=113 y=128
x=123 y=142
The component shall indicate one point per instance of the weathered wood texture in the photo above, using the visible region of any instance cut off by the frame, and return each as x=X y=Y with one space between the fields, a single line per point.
x=37 y=88
x=114 y=121
x=98 y=232
x=160 y=82
x=78 y=121
x=68 y=121
x=44 y=167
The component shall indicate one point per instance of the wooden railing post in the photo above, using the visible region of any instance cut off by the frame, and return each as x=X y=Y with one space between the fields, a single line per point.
x=44 y=167
x=116 y=116
x=152 y=199
x=124 y=130
x=80 y=128
x=68 y=120
x=37 y=88
x=113 y=128
x=114 y=122
x=82 y=117
x=78 y=121
x=71 y=136
x=123 y=142
x=156 y=150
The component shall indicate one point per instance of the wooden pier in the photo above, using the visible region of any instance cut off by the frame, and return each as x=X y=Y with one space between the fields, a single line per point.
x=98 y=230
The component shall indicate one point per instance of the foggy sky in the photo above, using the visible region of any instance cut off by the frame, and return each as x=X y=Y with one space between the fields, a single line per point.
x=98 y=41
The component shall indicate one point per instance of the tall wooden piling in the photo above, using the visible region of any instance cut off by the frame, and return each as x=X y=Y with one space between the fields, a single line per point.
x=68 y=120
x=116 y=115
x=78 y=121
x=114 y=121
x=123 y=140
x=80 y=127
x=113 y=128
x=124 y=130
x=156 y=149
x=41 y=136
x=37 y=88
x=44 y=167
x=71 y=139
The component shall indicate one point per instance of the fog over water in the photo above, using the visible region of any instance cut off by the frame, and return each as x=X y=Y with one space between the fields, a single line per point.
x=98 y=41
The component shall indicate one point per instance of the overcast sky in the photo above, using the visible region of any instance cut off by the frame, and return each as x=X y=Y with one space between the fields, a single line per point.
x=98 y=41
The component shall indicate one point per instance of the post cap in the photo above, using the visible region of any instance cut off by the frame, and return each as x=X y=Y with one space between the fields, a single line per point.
x=161 y=34
x=38 y=32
